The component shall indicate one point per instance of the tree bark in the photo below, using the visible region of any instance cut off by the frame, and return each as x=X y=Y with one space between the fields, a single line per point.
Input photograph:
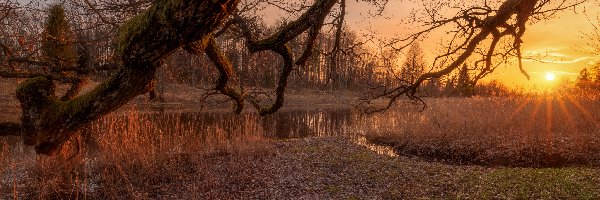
x=144 y=41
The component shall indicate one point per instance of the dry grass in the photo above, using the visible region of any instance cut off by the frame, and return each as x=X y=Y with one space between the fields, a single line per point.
x=127 y=157
x=546 y=131
x=132 y=155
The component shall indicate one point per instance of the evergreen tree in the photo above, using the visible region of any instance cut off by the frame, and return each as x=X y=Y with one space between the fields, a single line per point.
x=584 y=79
x=432 y=87
x=596 y=74
x=464 y=85
x=57 y=41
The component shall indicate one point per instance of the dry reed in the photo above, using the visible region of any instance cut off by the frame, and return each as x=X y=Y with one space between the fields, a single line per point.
x=544 y=131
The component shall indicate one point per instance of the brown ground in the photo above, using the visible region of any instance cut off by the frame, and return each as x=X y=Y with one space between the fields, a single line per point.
x=311 y=168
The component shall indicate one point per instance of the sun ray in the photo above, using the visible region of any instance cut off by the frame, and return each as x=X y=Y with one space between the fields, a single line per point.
x=519 y=108
x=536 y=110
x=586 y=114
x=565 y=111
x=569 y=119
x=549 y=113
x=532 y=121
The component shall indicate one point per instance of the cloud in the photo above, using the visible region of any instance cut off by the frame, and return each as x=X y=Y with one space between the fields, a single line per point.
x=553 y=55
x=558 y=61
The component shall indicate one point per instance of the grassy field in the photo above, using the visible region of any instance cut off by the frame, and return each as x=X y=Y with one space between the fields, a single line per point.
x=311 y=168
x=477 y=148
x=546 y=131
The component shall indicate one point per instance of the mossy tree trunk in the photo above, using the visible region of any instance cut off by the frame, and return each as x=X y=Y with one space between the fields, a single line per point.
x=144 y=41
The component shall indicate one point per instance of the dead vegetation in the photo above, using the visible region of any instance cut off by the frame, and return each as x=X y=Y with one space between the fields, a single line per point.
x=312 y=168
x=129 y=158
x=544 y=131
x=128 y=155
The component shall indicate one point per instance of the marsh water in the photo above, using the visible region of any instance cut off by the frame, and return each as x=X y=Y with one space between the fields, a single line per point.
x=155 y=131
x=290 y=124
x=281 y=125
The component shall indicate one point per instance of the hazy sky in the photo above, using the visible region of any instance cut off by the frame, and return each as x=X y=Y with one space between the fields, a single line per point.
x=561 y=39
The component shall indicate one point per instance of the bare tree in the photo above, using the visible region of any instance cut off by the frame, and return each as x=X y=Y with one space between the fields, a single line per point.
x=155 y=29
x=414 y=64
x=477 y=29
x=464 y=84
x=144 y=41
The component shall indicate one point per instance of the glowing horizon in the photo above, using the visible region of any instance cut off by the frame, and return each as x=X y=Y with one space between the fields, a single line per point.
x=556 y=45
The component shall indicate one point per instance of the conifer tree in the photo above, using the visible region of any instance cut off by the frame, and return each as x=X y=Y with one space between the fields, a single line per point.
x=464 y=85
x=57 y=39
x=414 y=65
x=584 y=79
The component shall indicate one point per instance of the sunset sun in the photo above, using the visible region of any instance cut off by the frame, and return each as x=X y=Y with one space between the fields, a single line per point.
x=550 y=76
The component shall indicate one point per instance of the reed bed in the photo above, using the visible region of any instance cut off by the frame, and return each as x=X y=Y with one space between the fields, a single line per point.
x=129 y=156
x=542 y=131
x=136 y=155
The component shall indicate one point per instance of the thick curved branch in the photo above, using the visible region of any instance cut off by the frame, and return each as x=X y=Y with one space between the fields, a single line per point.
x=144 y=42
x=313 y=18
x=76 y=87
x=226 y=72
x=14 y=74
x=488 y=56
x=310 y=44
x=288 y=64
x=28 y=61
x=522 y=8
x=314 y=15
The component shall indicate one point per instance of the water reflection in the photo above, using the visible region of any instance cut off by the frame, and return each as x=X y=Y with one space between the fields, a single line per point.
x=154 y=133
x=383 y=150
x=281 y=125
x=177 y=129
x=159 y=127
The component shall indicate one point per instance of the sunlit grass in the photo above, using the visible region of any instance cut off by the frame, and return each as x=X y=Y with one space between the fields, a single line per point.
x=128 y=156
x=544 y=131
x=136 y=155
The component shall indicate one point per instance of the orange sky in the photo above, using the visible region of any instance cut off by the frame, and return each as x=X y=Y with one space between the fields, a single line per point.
x=564 y=42
x=561 y=39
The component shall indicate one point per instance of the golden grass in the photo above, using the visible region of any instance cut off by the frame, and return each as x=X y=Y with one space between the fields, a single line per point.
x=133 y=155
x=127 y=157
x=544 y=131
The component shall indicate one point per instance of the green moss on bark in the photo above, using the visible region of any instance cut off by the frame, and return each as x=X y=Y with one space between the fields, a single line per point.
x=36 y=92
x=160 y=13
x=131 y=29
x=143 y=42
